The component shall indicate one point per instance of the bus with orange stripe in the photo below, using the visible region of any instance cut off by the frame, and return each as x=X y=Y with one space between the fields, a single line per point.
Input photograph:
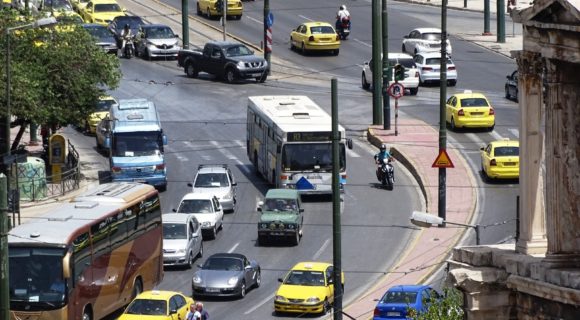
x=89 y=257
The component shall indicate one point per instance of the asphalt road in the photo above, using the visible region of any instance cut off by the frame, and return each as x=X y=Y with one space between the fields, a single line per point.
x=205 y=122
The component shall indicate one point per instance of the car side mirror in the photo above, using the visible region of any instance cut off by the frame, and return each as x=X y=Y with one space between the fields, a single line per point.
x=174 y=210
x=280 y=280
x=164 y=138
x=405 y=37
x=234 y=184
x=508 y=77
x=301 y=210
x=177 y=36
x=481 y=148
x=173 y=311
x=190 y=185
x=260 y=205
x=349 y=143
x=330 y=281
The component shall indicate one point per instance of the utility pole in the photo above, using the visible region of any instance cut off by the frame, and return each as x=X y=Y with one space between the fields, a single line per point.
x=377 y=67
x=224 y=17
x=501 y=21
x=4 y=285
x=387 y=72
x=184 y=23
x=267 y=36
x=442 y=122
x=486 y=15
x=336 y=224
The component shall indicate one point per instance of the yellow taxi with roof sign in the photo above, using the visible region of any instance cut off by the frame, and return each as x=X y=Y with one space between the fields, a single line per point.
x=101 y=11
x=307 y=288
x=469 y=110
x=213 y=8
x=501 y=160
x=155 y=304
x=315 y=36
x=101 y=112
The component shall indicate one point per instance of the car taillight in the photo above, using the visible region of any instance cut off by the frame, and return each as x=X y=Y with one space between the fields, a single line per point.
x=491 y=112
x=160 y=166
x=343 y=176
x=284 y=177
x=492 y=162
x=311 y=38
x=377 y=312
x=417 y=74
x=460 y=112
x=450 y=68
x=427 y=69
x=116 y=169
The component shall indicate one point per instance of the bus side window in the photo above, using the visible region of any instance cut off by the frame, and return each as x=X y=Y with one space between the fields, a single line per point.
x=119 y=230
x=81 y=258
x=100 y=238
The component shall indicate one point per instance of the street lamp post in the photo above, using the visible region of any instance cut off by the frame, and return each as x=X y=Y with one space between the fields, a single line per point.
x=426 y=220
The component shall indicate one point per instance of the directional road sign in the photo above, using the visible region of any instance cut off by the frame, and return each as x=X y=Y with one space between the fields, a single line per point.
x=270 y=20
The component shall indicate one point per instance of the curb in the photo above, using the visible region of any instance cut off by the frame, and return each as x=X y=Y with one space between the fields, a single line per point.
x=439 y=5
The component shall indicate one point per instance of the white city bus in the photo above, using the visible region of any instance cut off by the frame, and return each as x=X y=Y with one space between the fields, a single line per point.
x=289 y=141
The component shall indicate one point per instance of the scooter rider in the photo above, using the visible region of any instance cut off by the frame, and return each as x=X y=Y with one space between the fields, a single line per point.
x=341 y=15
x=379 y=157
x=125 y=35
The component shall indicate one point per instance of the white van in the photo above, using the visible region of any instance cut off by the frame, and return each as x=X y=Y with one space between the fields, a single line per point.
x=182 y=239
x=206 y=208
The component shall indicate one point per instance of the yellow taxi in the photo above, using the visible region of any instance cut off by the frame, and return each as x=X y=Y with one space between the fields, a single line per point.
x=101 y=11
x=469 y=110
x=501 y=160
x=155 y=305
x=307 y=288
x=101 y=112
x=315 y=36
x=213 y=8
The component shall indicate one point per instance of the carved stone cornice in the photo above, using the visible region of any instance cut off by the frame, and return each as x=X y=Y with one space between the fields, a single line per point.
x=530 y=64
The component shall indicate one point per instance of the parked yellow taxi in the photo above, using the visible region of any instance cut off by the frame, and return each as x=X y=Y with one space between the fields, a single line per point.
x=501 y=160
x=315 y=36
x=101 y=11
x=307 y=288
x=155 y=305
x=469 y=110
x=213 y=8
x=101 y=112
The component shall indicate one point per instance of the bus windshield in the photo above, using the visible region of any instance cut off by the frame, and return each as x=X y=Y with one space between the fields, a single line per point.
x=137 y=144
x=311 y=157
x=36 y=278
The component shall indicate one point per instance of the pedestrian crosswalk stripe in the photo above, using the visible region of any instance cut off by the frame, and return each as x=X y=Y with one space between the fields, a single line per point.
x=515 y=132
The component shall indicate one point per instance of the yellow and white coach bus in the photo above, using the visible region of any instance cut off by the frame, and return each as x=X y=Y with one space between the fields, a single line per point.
x=88 y=257
x=289 y=141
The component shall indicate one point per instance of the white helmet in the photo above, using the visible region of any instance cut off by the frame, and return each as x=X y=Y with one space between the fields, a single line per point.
x=343 y=7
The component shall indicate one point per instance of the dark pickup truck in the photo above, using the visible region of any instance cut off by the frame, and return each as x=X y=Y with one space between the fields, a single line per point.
x=227 y=60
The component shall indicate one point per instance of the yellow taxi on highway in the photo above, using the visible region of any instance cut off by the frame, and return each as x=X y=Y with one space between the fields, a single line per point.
x=501 y=160
x=315 y=36
x=213 y=8
x=469 y=110
x=155 y=305
x=101 y=11
x=307 y=288
x=101 y=112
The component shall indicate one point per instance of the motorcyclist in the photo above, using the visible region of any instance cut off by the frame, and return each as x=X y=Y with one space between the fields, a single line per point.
x=125 y=35
x=379 y=157
x=341 y=15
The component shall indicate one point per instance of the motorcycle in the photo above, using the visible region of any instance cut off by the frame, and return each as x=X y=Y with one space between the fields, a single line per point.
x=129 y=49
x=343 y=28
x=386 y=173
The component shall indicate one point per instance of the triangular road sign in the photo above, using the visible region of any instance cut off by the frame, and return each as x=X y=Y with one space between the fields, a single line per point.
x=442 y=160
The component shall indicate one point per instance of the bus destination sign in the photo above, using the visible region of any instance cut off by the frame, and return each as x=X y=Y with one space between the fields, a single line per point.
x=310 y=136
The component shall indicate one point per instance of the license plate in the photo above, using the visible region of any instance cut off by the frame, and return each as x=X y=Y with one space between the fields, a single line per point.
x=509 y=163
x=276 y=234
x=324 y=39
x=477 y=113
x=212 y=290
x=313 y=176
x=393 y=314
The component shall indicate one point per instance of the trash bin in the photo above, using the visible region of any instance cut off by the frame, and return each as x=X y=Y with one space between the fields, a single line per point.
x=31 y=179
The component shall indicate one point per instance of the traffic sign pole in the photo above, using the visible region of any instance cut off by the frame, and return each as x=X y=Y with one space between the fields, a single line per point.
x=267 y=35
x=396 y=116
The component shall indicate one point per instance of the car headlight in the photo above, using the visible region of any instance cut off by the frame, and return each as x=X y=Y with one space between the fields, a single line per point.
x=279 y=298
x=227 y=196
x=313 y=300
x=181 y=251
x=263 y=225
x=265 y=63
x=232 y=281
x=241 y=64
x=196 y=279
x=206 y=223
x=291 y=226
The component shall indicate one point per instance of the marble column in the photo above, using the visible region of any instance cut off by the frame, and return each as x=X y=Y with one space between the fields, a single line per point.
x=532 y=225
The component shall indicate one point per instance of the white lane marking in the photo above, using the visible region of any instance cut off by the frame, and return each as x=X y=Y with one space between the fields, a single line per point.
x=496 y=135
x=319 y=252
x=231 y=156
x=363 y=43
x=261 y=303
x=234 y=247
x=253 y=19
x=352 y=153
x=206 y=157
x=181 y=158
x=478 y=141
x=305 y=18
x=515 y=132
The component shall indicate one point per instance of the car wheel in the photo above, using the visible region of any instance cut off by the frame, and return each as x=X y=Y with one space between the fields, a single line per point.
x=263 y=78
x=87 y=314
x=421 y=81
x=414 y=91
x=295 y=238
x=198 y=10
x=292 y=44
x=516 y=96
x=190 y=70
x=213 y=232
x=507 y=92
x=486 y=178
x=239 y=17
x=208 y=13
x=99 y=148
x=490 y=129
x=326 y=307
x=200 y=253
x=243 y=289
x=452 y=82
x=258 y=279
x=261 y=240
x=452 y=125
x=336 y=52
x=148 y=54
x=230 y=75
x=190 y=260
x=363 y=80
x=415 y=51
x=303 y=49
x=137 y=289
x=403 y=48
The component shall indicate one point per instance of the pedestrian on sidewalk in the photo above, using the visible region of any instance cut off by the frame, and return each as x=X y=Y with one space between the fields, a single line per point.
x=204 y=314
x=193 y=314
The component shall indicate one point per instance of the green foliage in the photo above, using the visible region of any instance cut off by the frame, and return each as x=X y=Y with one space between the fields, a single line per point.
x=57 y=73
x=449 y=307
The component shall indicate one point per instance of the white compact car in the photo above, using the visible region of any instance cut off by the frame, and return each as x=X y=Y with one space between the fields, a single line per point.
x=429 y=66
x=216 y=179
x=182 y=239
x=424 y=40
x=206 y=209
x=411 y=81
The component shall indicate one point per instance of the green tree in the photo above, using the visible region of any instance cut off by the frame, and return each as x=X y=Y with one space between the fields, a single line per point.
x=448 y=307
x=57 y=73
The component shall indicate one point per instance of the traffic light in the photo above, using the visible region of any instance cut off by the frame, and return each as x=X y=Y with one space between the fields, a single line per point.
x=399 y=72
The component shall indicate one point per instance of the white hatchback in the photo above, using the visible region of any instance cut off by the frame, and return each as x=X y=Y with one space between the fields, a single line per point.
x=429 y=65
x=216 y=179
x=424 y=40
x=411 y=81
x=206 y=208
x=181 y=239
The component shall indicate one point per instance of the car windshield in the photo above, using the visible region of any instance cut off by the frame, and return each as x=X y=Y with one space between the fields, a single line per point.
x=147 y=307
x=133 y=22
x=506 y=151
x=159 y=33
x=238 y=51
x=322 y=30
x=310 y=157
x=223 y=263
x=99 y=32
x=136 y=144
x=174 y=231
x=57 y=5
x=431 y=36
x=195 y=206
x=280 y=205
x=399 y=297
x=211 y=180
x=105 y=104
x=436 y=61
x=107 y=7
x=305 y=278
x=474 y=102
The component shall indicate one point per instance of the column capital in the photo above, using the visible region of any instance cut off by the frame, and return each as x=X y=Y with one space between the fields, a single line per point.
x=530 y=64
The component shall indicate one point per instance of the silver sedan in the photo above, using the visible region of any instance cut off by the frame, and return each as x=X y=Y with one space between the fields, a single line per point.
x=226 y=274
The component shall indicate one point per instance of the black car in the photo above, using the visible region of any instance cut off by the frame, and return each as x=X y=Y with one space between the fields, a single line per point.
x=511 y=86
x=116 y=26
x=103 y=37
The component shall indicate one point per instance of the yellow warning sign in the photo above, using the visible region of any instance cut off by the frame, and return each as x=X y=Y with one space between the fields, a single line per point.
x=443 y=160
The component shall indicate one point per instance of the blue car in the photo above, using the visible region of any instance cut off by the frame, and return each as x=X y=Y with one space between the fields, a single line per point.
x=397 y=300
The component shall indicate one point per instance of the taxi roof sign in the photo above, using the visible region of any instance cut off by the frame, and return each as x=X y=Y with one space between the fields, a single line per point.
x=443 y=160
